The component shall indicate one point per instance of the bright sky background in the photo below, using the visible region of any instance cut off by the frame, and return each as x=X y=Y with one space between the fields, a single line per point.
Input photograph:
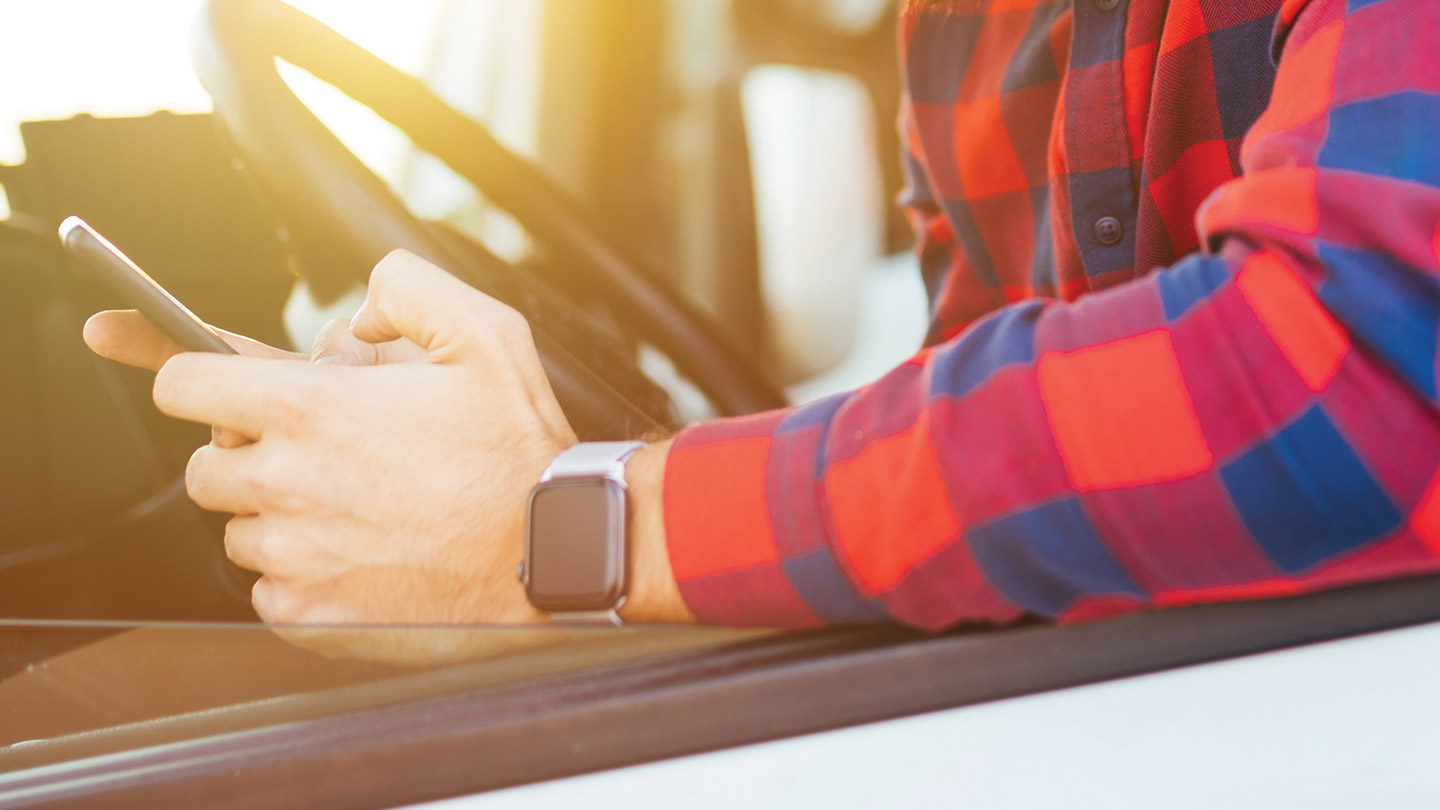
x=130 y=57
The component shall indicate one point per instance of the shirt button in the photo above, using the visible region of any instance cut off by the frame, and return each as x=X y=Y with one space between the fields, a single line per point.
x=1107 y=5
x=1109 y=231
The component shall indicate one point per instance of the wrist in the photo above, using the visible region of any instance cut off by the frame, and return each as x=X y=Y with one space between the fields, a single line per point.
x=654 y=596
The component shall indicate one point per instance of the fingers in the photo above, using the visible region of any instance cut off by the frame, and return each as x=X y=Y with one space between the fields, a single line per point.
x=242 y=542
x=227 y=479
x=277 y=596
x=409 y=297
x=249 y=347
x=246 y=395
x=265 y=598
x=126 y=336
x=336 y=344
x=277 y=602
x=251 y=544
x=222 y=437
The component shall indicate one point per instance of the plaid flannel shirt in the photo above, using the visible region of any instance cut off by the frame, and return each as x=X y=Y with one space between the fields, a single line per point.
x=1182 y=263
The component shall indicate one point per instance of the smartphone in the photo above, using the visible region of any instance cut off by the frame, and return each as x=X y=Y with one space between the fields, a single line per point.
x=115 y=270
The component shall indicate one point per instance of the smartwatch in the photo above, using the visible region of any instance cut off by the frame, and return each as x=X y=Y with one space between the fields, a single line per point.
x=574 y=566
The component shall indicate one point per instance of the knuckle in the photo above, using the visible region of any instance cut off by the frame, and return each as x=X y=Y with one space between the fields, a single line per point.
x=274 y=603
x=196 y=480
x=292 y=500
x=262 y=598
x=511 y=326
x=226 y=438
x=233 y=540
x=396 y=264
x=329 y=335
x=286 y=608
x=306 y=612
x=269 y=551
x=294 y=410
x=167 y=381
x=294 y=485
x=278 y=486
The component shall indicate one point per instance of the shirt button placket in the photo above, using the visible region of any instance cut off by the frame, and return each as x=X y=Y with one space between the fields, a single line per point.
x=1102 y=196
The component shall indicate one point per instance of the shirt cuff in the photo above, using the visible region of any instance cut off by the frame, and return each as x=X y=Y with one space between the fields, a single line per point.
x=745 y=523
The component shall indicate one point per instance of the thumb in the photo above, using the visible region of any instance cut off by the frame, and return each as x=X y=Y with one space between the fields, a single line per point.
x=411 y=298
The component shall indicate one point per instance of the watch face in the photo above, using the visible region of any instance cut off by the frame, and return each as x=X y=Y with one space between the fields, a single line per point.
x=575 y=545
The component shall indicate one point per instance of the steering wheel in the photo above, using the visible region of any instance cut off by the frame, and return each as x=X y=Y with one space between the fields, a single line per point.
x=334 y=205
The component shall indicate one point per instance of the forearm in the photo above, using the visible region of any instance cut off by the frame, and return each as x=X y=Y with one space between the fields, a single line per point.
x=653 y=594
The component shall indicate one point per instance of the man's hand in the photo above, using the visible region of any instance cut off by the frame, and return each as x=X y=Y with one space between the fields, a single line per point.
x=385 y=481
x=380 y=493
x=128 y=337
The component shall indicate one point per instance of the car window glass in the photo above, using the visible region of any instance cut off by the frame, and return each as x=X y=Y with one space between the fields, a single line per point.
x=59 y=680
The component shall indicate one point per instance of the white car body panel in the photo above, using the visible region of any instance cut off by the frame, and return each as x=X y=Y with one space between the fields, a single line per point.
x=1346 y=724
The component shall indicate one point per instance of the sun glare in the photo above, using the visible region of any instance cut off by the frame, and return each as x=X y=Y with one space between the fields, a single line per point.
x=106 y=58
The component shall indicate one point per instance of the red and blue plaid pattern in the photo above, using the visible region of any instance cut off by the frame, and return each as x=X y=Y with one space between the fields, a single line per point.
x=1184 y=327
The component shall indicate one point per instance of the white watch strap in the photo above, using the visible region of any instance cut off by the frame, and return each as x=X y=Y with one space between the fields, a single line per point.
x=589 y=459
x=589 y=618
